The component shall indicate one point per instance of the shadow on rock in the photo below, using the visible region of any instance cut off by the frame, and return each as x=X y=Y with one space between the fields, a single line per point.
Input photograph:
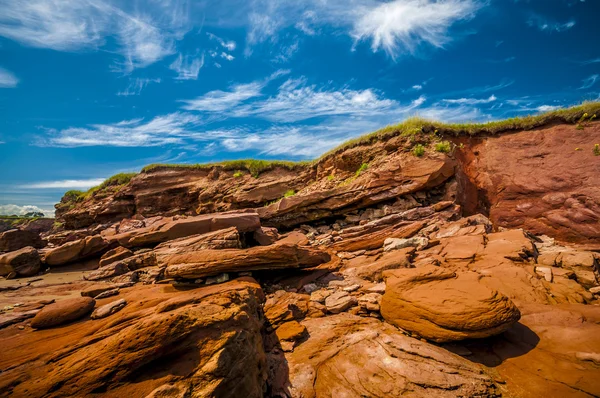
x=493 y=351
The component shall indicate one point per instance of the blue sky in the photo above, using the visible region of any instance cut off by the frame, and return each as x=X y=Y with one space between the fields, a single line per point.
x=90 y=88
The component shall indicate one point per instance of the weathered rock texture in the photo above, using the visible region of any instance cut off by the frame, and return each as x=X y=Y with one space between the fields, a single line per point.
x=536 y=180
x=23 y=262
x=440 y=306
x=203 y=342
x=349 y=356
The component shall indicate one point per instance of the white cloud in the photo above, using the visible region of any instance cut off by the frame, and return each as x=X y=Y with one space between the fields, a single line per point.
x=136 y=86
x=228 y=57
x=588 y=82
x=403 y=25
x=144 y=34
x=219 y=101
x=187 y=67
x=417 y=87
x=64 y=184
x=294 y=101
x=16 y=210
x=172 y=128
x=7 y=79
x=547 y=108
x=471 y=101
x=230 y=45
x=547 y=25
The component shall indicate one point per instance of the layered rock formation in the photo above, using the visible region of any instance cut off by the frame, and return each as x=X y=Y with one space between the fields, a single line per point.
x=382 y=275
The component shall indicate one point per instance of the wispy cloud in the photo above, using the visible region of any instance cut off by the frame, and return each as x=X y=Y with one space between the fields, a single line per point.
x=547 y=108
x=230 y=45
x=396 y=27
x=417 y=87
x=591 y=61
x=219 y=101
x=401 y=26
x=7 y=79
x=161 y=130
x=187 y=67
x=63 y=184
x=136 y=86
x=588 y=82
x=228 y=57
x=144 y=34
x=471 y=101
x=547 y=25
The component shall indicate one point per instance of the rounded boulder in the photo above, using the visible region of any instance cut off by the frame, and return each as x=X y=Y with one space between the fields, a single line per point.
x=441 y=306
x=62 y=312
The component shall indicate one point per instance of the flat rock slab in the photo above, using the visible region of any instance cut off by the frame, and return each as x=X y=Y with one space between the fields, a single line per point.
x=441 y=306
x=62 y=312
x=205 y=263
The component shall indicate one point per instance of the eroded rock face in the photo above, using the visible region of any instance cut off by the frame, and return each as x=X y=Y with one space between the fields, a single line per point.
x=441 y=306
x=206 y=342
x=349 y=356
x=23 y=262
x=544 y=186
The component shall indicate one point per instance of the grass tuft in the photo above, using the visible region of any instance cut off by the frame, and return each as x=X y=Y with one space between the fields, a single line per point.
x=253 y=166
x=363 y=167
x=418 y=150
x=443 y=146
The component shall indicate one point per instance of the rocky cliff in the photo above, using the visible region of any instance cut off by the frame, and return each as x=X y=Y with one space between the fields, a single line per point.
x=546 y=180
x=427 y=262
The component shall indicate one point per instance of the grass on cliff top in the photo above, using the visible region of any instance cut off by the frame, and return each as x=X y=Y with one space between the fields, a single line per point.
x=416 y=125
x=115 y=181
x=253 y=166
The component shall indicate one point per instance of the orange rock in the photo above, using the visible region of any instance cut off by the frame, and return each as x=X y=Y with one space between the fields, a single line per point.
x=441 y=306
x=212 y=262
x=351 y=356
x=62 y=312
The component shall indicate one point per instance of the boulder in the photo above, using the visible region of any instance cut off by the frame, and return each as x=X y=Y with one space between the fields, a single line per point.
x=23 y=262
x=339 y=301
x=16 y=239
x=116 y=254
x=76 y=250
x=266 y=236
x=351 y=356
x=133 y=263
x=108 y=309
x=395 y=243
x=62 y=312
x=366 y=268
x=441 y=306
x=213 y=262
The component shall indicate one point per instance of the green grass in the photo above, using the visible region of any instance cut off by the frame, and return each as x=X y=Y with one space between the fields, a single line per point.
x=253 y=166
x=418 y=150
x=596 y=149
x=289 y=193
x=363 y=167
x=237 y=174
x=415 y=125
x=443 y=146
x=114 y=183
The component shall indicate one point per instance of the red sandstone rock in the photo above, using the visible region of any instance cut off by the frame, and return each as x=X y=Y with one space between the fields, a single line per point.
x=441 y=306
x=23 y=262
x=62 y=312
